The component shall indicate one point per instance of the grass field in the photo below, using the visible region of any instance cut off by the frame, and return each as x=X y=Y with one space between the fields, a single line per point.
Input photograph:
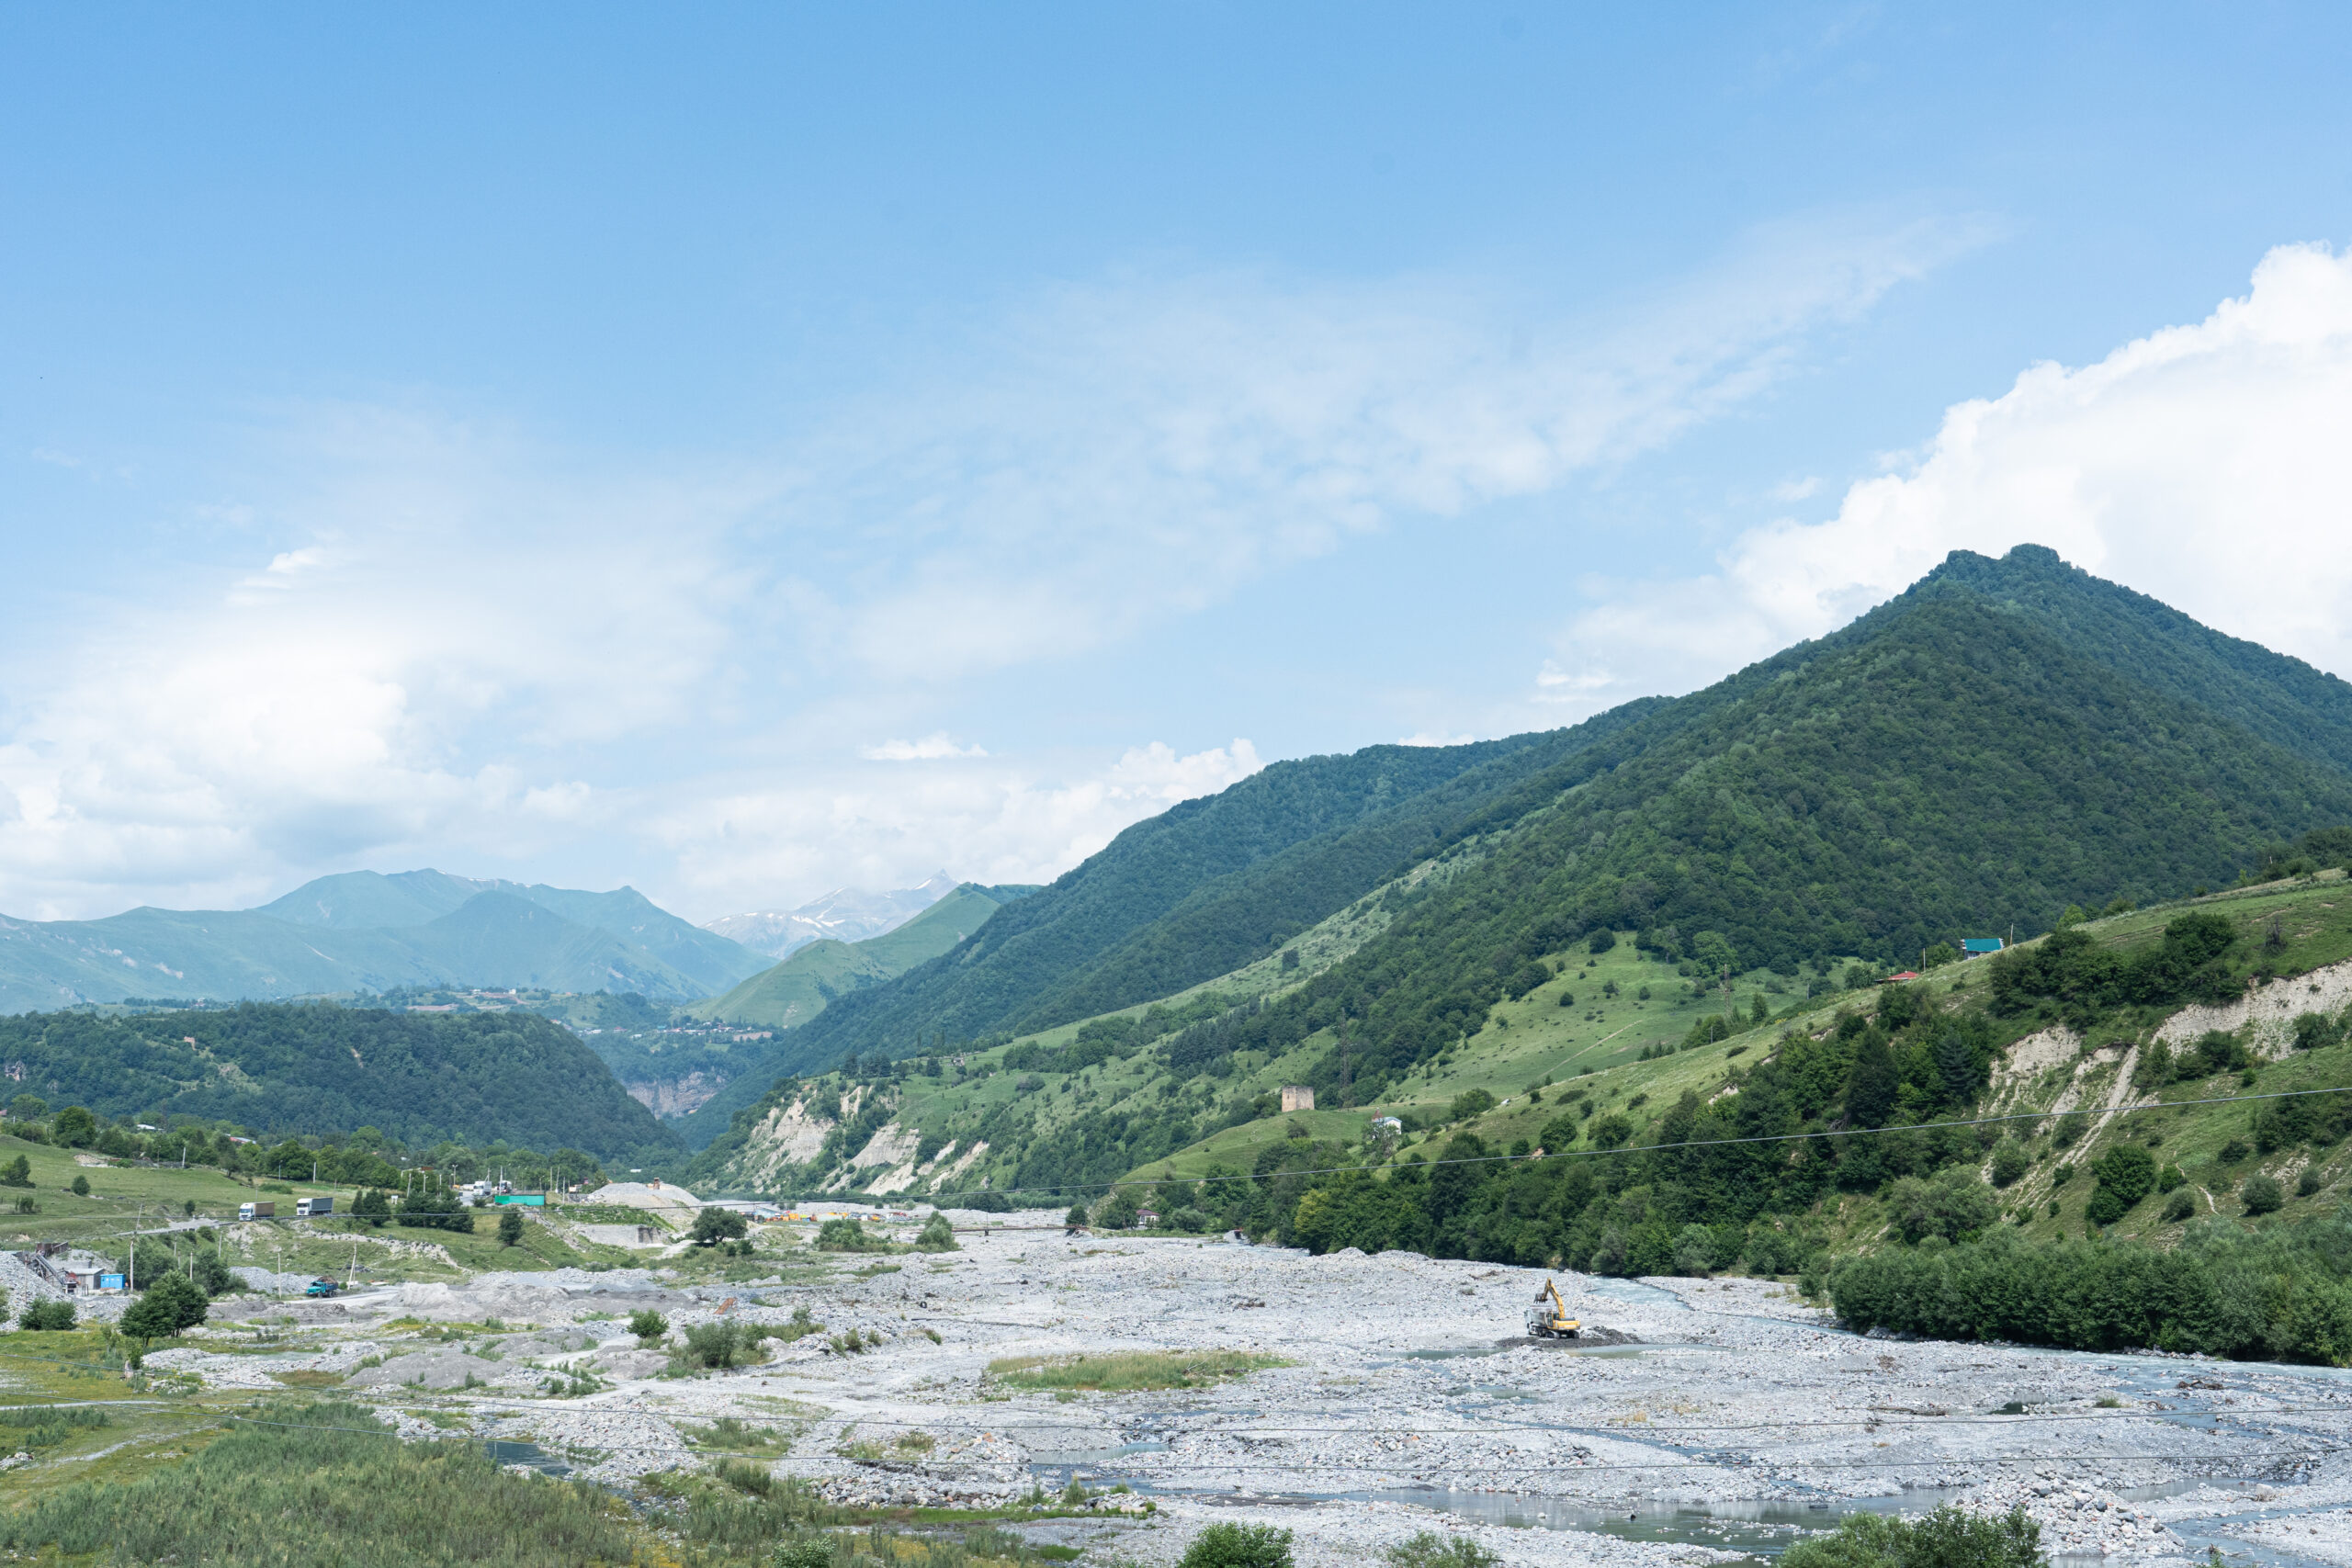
x=125 y=1197
x=1131 y=1371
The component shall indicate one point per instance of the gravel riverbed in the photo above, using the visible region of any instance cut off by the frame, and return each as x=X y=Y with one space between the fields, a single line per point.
x=1720 y=1419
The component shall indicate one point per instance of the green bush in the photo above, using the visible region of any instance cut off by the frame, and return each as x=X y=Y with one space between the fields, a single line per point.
x=1430 y=1550
x=1945 y=1539
x=1470 y=1102
x=719 y=1224
x=2309 y=1183
x=54 y=1312
x=648 y=1326
x=803 y=1552
x=2126 y=1174
x=81 y=1187
x=2169 y=1177
x=172 y=1302
x=1694 y=1250
x=1238 y=1546
x=2010 y=1162
x=2180 y=1205
x=2261 y=1194
x=847 y=1236
x=936 y=1235
x=716 y=1346
x=1952 y=1203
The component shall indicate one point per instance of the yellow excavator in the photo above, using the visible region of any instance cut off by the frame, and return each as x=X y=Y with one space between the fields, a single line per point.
x=1550 y=1321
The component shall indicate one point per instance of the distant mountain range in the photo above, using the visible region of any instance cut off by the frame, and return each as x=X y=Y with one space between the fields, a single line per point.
x=364 y=931
x=846 y=914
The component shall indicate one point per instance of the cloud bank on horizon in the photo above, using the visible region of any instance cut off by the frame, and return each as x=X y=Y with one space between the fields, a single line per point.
x=742 y=678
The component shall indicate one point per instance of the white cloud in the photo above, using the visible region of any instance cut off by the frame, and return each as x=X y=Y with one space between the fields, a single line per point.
x=444 y=642
x=1138 y=450
x=993 y=823
x=2206 y=465
x=1433 y=738
x=932 y=748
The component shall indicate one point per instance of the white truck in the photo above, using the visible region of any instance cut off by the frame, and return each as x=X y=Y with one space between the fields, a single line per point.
x=312 y=1208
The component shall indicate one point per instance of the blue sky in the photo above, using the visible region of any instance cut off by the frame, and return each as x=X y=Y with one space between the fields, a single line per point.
x=748 y=451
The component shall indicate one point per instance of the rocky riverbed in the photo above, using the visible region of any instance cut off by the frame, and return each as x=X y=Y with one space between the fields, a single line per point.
x=1707 y=1420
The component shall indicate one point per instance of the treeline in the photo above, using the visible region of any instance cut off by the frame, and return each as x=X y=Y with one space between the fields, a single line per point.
x=2283 y=1293
x=422 y=1078
x=363 y=1158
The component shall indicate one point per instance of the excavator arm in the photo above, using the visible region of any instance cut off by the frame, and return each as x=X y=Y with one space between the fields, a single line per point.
x=1551 y=1321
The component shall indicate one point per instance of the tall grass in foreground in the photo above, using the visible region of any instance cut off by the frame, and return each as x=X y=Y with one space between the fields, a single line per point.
x=1123 y=1373
x=348 y=1497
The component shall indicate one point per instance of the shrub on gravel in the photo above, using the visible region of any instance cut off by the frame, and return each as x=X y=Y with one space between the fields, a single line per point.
x=648 y=1326
x=1430 y=1550
x=1130 y=1370
x=848 y=1236
x=936 y=1235
x=1945 y=1539
x=1238 y=1546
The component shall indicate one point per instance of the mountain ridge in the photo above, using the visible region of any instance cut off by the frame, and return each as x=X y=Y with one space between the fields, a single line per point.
x=330 y=937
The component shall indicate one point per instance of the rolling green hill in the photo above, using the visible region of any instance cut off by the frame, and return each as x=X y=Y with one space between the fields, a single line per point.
x=366 y=933
x=315 y=1068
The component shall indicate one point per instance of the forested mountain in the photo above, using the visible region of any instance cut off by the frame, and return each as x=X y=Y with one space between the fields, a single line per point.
x=363 y=931
x=2002 y=739
x=316 y=1068
x=1198 y=890
x=1950 y=762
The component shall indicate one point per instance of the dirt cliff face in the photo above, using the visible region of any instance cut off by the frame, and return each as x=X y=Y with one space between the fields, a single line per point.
x=670 y=1098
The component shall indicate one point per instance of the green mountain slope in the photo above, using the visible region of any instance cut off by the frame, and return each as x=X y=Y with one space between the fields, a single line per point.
x=802 y=985
x=1201 y=889
x=2002 y=740
x=316 y=1068
x=1947 y=763
x=367 y=932
x=2282 y=700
